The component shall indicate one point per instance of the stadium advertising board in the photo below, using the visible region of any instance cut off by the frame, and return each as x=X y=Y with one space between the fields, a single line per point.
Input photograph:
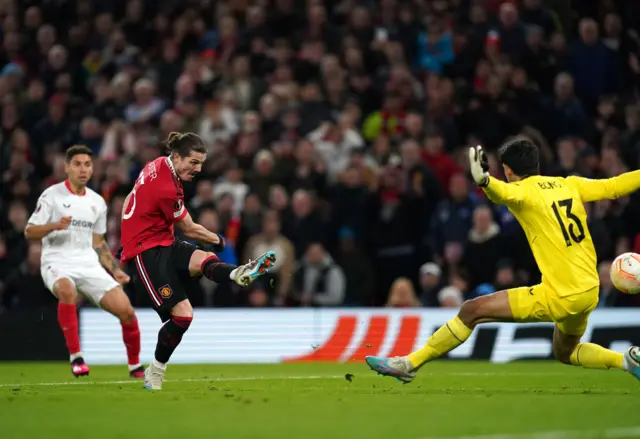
x=337 y=335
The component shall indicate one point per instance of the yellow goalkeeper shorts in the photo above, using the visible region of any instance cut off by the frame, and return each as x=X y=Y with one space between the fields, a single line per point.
x=540 y=303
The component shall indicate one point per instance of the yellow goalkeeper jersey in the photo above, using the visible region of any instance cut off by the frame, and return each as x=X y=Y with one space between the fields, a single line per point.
x=552 y=215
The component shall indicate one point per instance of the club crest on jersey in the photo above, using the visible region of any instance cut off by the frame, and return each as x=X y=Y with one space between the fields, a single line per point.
x=93 y=209
x=165 y=291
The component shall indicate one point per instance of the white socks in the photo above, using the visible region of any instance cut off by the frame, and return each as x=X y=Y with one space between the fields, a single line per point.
x=159 y=365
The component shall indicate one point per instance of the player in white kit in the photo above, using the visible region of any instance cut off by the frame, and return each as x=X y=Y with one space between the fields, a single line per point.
x=71 y=221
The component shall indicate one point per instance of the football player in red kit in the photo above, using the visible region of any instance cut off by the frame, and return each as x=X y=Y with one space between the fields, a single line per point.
x=163 y=266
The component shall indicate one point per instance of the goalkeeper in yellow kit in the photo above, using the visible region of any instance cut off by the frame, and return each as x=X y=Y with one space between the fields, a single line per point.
x=552 y=214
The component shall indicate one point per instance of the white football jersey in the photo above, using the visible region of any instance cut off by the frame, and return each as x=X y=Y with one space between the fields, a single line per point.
x=88 y=214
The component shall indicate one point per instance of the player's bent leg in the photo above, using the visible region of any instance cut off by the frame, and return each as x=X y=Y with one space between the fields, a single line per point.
x=209 y=265
x=568 y=350
x=564 y=345
x=116 y=302
x=491 y=308
x=65 y=290
x=169 y=337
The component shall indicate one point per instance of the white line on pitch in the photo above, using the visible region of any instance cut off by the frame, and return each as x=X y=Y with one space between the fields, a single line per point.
x=185 y=380
x=609 y=433
x=275 y=377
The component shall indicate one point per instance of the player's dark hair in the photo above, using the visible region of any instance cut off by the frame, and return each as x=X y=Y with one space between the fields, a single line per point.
x=522 y=156
x=77 y=150
x=185 y=143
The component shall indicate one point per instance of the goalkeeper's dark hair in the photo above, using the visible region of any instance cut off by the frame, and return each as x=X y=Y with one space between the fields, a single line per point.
x=185 y=143
x=75 y=150
x=522 y=156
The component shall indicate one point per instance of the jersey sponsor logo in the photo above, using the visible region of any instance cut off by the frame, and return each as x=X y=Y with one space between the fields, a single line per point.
x=165 y=291
x=82 y=224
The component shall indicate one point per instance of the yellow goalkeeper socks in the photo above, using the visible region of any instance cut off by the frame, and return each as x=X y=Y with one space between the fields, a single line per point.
x=445 y=339
x=593 y=356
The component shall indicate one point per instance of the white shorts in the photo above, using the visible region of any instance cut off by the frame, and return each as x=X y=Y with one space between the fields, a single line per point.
x=92 y=281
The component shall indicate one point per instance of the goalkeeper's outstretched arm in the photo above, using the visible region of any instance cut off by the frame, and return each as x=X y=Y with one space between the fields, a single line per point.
x=609 y=188
x=497 y=191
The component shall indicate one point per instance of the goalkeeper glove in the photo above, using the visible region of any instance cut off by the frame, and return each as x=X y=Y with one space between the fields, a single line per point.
x=479 y=166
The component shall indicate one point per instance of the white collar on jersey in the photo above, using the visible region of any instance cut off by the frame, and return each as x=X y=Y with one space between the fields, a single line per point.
x=170 y=164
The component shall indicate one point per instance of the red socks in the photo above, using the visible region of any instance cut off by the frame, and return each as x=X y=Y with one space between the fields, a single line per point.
x=131 y=337
x=68 y=320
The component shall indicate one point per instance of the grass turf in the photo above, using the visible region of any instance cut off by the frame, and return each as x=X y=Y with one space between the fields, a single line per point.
x=448 y=399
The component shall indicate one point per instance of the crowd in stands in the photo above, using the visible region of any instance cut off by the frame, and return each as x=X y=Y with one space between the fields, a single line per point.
x=337 y=132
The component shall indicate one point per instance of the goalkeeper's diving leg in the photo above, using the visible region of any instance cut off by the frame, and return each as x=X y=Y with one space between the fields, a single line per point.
x=496 y=307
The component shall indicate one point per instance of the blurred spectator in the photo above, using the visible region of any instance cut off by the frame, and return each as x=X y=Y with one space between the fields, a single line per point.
x=430 y=283
x=272 y=239
x=318 y=280
x=450 y=297
x=592 y=65
x=453 y=217
x=402 y=294
x=505 y=276
x=358 y=272
x=305 y=225
x=485 y=247
x=24 y=287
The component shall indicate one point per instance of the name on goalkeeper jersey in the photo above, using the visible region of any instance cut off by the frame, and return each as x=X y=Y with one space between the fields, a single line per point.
x=549 y=184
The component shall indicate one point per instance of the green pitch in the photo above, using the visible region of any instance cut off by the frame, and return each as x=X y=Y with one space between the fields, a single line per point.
x=309 y=401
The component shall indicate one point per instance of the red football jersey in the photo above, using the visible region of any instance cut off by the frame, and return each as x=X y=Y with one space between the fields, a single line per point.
x=151 y=209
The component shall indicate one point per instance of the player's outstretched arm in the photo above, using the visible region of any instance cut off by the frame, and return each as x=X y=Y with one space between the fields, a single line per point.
x=107 y=260
x=496 y=190
x=609 y=188
x=199 y=233
x=39 y=231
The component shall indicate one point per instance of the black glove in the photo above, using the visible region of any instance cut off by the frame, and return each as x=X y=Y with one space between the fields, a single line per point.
x=217 y=248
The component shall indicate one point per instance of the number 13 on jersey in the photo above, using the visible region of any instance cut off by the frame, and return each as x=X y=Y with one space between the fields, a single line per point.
x=572 y=228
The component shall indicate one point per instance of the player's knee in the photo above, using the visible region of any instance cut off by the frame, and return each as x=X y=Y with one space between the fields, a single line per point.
x=182 y=309
x=470 y=312
x=199 y=260
x=127 y=315
x=65 y=291
x=562 y=354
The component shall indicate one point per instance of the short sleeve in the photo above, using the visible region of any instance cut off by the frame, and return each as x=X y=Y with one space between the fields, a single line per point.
x=100 y=226
x=42 y=214
x=173 y=208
